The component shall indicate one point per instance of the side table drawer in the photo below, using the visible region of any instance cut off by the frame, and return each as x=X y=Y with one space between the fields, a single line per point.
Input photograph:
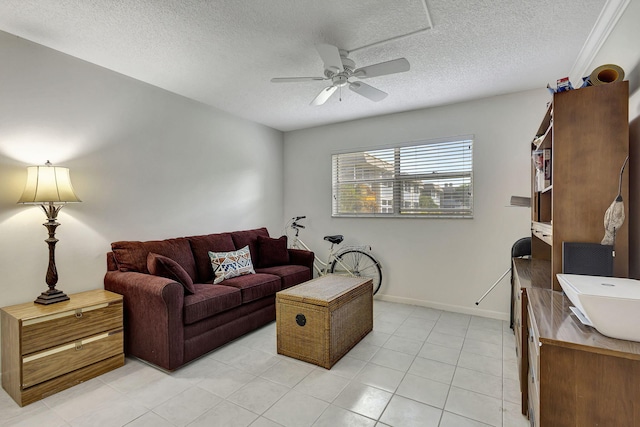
x=53 y=362
x=60 y=328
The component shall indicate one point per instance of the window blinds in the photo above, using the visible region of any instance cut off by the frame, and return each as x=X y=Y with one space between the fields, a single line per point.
x=425 y=179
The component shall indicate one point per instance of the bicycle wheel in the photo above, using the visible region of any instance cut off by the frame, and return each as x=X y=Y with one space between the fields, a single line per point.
x=358 y=263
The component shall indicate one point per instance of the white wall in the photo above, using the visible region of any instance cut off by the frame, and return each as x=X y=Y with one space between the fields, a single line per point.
x=148 y=164
x=441 y=263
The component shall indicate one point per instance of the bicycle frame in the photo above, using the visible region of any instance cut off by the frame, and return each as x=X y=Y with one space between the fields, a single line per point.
x=319 y=266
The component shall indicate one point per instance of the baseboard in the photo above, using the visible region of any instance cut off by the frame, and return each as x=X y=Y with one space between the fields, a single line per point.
x=448 y=307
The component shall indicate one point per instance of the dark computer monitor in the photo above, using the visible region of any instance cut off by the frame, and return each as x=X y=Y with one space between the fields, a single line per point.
x=591 y=259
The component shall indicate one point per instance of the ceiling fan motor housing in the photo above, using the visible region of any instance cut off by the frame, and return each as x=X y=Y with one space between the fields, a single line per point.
x=347 y=63
x=339 y=80
x=348 y=66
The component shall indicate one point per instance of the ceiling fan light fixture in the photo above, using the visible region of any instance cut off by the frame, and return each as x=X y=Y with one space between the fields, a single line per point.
x=339 y=80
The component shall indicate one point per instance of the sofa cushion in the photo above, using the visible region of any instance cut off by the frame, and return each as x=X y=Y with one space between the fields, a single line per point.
x=272 y=252
x=250 y=238
x=255 y=286
x=290 y=275
x=226 y=265
x=163 y=266
x=202 y=245
x=132 y=255
x=209 y=300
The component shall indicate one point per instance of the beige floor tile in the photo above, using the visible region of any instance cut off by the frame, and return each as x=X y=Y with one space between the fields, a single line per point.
x=322 y=384
x=423 y=390
x=335 y=416
x=475 y=406
x=363 y=399
x=433 y=370
x=296 y=409
x=409 y=413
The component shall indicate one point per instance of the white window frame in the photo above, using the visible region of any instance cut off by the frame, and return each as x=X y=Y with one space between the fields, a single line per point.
x=439 y=174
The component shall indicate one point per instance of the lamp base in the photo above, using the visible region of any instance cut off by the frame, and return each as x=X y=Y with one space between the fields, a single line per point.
x=51 y=296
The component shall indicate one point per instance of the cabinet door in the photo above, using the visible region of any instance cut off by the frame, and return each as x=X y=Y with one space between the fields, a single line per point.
x=534 y=369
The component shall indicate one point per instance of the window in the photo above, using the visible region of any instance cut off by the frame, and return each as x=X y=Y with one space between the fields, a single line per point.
x=426 y=179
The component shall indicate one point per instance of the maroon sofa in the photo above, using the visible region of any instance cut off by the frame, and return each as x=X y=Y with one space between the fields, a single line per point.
x=169 y=323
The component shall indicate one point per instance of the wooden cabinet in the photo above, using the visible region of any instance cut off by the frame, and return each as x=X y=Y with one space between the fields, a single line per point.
x=575 y=376
x=585 y=132
x=527 y=274
x=48 y=348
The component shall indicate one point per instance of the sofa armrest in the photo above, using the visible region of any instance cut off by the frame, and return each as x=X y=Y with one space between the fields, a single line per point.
x=302 y=257
x=153 y=309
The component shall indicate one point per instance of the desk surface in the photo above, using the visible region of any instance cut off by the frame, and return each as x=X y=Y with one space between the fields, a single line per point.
x=557 y=324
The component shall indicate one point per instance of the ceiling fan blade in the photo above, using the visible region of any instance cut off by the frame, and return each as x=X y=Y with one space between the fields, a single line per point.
x=330 y=57
x=368 y=91
x=324 y=95
x=399 y=65
x=295 y=79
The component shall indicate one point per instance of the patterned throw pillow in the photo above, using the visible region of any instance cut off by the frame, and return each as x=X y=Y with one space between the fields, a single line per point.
x=231 y=264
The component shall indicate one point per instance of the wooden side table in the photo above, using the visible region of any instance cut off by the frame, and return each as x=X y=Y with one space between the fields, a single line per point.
x=49 y=348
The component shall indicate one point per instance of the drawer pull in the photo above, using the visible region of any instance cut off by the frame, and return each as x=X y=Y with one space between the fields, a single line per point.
x=77 y=345
x=79 y=313
x=50 y=317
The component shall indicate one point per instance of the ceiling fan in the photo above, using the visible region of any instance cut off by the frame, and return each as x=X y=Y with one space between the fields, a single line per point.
x=338 y=68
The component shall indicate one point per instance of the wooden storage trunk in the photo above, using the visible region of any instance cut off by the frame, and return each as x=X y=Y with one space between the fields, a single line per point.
x=319 y=321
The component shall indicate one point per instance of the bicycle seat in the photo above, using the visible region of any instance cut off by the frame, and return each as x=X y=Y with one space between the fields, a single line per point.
x=334 y=239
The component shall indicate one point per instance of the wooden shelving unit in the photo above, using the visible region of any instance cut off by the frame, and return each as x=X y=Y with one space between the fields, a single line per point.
x=587 y=133
x=567 y=368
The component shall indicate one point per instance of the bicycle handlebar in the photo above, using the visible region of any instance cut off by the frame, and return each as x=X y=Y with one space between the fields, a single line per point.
x=294 y=222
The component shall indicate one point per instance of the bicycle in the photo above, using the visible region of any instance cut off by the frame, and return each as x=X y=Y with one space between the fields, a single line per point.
x=355 y=261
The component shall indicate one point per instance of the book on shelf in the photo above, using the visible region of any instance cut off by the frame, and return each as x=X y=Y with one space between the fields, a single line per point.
x=537 y=157
x=542 y=164
x=547 y=167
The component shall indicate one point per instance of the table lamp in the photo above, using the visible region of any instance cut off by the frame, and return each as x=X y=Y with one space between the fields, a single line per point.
x=50 y=187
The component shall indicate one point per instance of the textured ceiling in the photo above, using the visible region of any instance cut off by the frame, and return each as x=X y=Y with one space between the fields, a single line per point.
x=224 y=52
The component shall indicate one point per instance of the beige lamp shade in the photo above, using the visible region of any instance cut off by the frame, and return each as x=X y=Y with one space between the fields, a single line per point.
x=47 y=184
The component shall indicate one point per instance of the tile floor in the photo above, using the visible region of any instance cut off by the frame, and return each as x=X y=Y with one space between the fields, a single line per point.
x=418 y=367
